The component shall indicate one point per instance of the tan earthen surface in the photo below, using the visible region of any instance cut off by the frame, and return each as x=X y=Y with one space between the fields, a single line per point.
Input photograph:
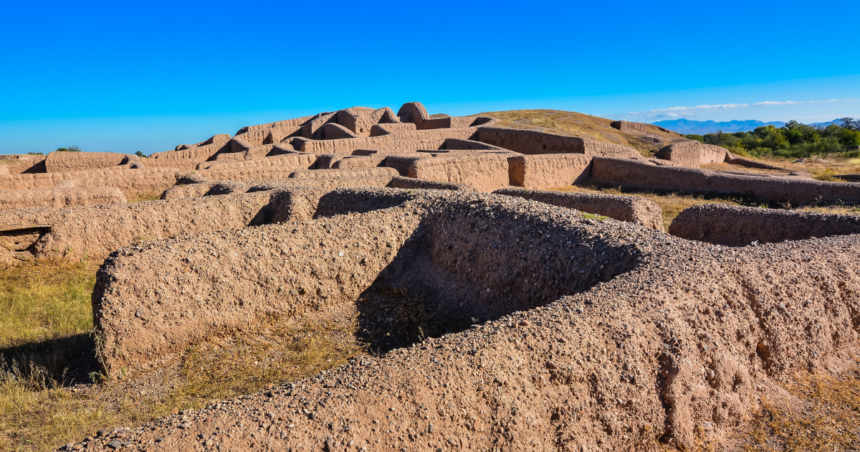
x=544 y=171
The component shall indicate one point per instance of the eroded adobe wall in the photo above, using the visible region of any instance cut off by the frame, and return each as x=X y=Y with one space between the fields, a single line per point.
x=692 y=153
x=794 y=190
x=60 y=197
x=281 y=270
x=421 y=184
x=627 y=126
x=297 y=161
x=273 y=132
x=548 y=170
x=66 y=162
x=203 y=152
x=724 y=224
x=483 y=171
x=631 y=209
x=97 y=231
x=132 y=182
x=394 y=143
x=396 y=127
x=27 y=164
x=180 y=164
x=534 y=142
x=344 y=173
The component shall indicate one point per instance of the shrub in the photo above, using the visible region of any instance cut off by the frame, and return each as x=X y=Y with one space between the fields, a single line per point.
x=69 y=149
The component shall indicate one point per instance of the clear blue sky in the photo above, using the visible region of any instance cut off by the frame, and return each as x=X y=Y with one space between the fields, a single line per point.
x=127 y=76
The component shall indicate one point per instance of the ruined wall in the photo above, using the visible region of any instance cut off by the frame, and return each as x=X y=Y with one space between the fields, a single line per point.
x=692 y=153
x=548 y=170
x=389 y=128
x=534 y=142
x=97 y=231
x=214 y=145
x=627 y=126
x=297 y=161
x=294 y=269
x=762 y=187
x=27 y=164
x=724 y=224
x=65 y=162
x=333 y=131
x=350 y=173
x=131 y=182
x=631 y=209
x=410 y=183
x=484 y=172
x=394 y=143
x=273 y=132
x=60 y=197
x=181 y=164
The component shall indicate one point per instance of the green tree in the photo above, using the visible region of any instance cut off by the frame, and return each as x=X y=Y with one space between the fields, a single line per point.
x=140 y=154
x=69 y=149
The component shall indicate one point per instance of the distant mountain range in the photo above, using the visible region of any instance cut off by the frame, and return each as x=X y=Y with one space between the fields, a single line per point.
x=689 y=126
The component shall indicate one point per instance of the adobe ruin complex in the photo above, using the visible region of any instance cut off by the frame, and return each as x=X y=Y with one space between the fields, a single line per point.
x=565 y=321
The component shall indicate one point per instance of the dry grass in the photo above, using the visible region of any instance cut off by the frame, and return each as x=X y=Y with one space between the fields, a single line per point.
x=142 y=197
x=581 y=125
x=825 y=419
x=46 y=320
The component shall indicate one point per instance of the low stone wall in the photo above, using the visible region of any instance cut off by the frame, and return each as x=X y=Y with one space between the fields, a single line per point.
x=548 y=170
x=534 y=142
x=60 y=197
x=765 y=188
x=692 y=154
x=724 y=224
x=483 y=171
x=66 y=162
x=631 y=209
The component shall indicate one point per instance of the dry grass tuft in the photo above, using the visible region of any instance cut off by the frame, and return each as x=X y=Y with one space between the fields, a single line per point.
x=825 y=420
x=142 y=197
x=50 y=388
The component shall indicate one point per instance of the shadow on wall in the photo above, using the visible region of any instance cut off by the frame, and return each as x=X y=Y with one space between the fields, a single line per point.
x=459 y=269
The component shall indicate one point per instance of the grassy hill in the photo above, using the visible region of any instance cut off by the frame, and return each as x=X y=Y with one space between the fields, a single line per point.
x=582 y=125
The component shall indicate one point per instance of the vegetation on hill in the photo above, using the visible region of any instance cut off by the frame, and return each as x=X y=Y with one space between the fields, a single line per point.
x=69 y=149
x=794 y=140
x=586 y=126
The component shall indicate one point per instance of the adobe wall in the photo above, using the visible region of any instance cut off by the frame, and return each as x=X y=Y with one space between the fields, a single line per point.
x=130 y=181
x=27 y=164
x=724 y=224
x=216 y=144
x=534 y=142
x=631 y=209
x=389 y=128
x=295 y=160
x=334 y=131
x=484 y=172
x=692 y=153
x=762 y=187
x=421 y=184
x=350 y=173
x=273 y=132
x=181 y=191
x=65 y=162
x=396 y=143
x=97 y=231
x=548 y=170
x=255 y=185
x=181 y=164
x=627 y=126
x=360 y=120
x=60 y=197
x=4 y=171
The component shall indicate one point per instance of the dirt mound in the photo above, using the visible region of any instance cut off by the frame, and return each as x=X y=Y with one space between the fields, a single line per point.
x=623 y=208
x=557 y=331
x=724 y=224
x=60 y=197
